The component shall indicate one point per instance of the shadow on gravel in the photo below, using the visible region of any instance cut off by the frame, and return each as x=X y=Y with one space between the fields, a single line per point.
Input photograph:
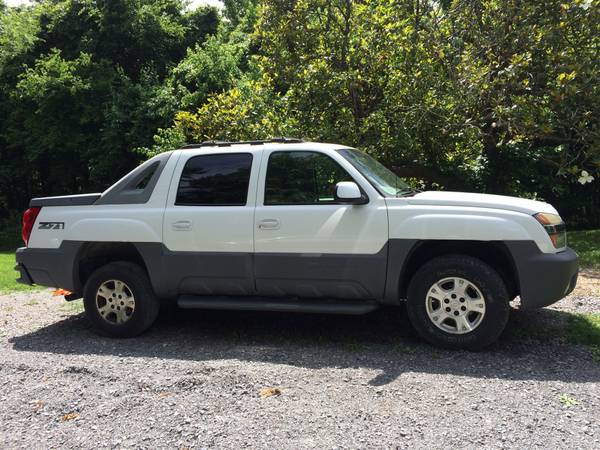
x=382 y=341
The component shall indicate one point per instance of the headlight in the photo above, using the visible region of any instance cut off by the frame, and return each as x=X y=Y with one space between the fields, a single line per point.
x=555 y=227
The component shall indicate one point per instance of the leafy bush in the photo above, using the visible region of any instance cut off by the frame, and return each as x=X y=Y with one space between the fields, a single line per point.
x=495 y=96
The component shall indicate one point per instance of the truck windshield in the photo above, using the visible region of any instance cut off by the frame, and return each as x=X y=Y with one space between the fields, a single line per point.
x=383 y=179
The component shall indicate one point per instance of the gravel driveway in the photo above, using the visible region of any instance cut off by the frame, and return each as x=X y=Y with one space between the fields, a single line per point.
x=195 y=380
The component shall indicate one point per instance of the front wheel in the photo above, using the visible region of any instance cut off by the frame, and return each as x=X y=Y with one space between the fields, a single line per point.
x=119 y=300
x=458 y=302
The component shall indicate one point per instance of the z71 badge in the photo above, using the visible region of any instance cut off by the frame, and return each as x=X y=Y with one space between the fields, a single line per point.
x=51 y=226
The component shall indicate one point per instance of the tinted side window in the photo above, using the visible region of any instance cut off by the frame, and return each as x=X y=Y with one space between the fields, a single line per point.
x=142 y=182
x=218 y=180
x=302 y=178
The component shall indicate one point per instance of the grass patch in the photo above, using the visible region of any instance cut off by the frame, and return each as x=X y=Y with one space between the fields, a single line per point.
x=10 y=234
x=8 y=275
x=581 y=329
x=584 y=329
x=74 y=306
x=595 y=352
x=568 y=401
x=587 y=246
x=10 y=240
x=405 y=349
x=524 y=331
x=353 y=345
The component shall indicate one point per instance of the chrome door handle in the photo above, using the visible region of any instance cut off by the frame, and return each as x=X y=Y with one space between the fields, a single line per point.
x=182 y=225
x=269 y=224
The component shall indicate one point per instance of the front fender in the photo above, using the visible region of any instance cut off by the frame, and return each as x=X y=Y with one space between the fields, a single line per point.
x=426 y=222
x=439 y=226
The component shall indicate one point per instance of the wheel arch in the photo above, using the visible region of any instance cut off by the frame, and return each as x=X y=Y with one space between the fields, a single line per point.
x=93 y=255
x=494 y=253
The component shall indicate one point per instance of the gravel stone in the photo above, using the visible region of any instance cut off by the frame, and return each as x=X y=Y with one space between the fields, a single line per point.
x=194 y=381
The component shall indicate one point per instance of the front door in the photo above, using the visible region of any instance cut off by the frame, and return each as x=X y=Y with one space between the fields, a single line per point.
x=208 y=224
x=307 y=244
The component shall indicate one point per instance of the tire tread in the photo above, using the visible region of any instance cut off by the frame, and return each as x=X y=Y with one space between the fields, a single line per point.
x=487 y=280
x=147 y=304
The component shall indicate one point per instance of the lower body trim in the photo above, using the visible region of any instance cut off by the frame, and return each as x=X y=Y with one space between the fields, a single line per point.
x=268 y=304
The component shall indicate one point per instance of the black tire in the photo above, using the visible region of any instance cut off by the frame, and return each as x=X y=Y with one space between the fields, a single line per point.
x=146 y=304
x=480 y=274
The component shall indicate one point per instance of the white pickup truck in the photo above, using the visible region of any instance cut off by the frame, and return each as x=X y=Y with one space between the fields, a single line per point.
x=287 y=225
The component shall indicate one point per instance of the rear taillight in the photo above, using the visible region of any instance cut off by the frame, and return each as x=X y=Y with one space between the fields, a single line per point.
x=28 y=221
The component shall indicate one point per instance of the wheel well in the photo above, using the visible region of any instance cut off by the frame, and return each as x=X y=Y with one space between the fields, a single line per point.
x=94 y=255
x=496 y=254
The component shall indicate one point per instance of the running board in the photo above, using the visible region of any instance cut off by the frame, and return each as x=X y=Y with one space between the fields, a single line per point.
x=270 y=304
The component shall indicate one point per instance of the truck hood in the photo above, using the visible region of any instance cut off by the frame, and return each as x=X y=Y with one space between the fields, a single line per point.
x=443 y=198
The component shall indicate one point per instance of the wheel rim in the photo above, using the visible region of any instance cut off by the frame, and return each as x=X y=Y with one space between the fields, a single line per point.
x=115 y=302
x=455 y=305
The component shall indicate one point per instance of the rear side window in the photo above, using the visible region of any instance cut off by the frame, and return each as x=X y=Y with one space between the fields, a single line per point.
x=302 y=178
x=137 y=186
x=144 y=179
x=215 y=180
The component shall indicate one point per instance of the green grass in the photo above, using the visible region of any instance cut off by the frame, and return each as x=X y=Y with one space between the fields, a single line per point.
x=595 y=352
x=587 y=246
x=584 y=329
x=8 y=275
x=10 y=238
x=568 y=401
x=74 y=306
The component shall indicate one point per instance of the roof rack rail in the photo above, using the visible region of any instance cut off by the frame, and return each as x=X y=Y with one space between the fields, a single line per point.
x=279 y=140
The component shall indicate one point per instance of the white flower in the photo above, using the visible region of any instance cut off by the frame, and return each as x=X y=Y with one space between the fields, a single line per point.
x=585 y=177
x=586 y=4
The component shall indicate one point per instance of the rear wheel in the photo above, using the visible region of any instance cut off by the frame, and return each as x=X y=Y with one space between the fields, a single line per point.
x=458 y=302
x=119 y=300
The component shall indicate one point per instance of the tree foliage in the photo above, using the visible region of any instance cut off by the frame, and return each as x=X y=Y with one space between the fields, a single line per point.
x=83 y=83
x=499 y=96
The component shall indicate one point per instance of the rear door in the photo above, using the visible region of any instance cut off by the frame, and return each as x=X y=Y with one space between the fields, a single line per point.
x=209 y=223
x=306 y=243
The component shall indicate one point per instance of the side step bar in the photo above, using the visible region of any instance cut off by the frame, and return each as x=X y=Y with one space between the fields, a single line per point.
x=270 y=304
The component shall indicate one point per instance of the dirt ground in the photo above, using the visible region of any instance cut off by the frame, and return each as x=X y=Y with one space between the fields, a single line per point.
x=202 y=379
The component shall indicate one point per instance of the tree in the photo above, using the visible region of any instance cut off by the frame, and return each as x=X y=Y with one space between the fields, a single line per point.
x=82 y=85
x=212 y=67
x=497 y=96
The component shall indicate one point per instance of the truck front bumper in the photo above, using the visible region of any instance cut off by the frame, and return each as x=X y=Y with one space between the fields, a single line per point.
x=544 y=278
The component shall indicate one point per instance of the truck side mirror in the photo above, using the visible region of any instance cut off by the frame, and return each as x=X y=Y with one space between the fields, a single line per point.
x=349 y=192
